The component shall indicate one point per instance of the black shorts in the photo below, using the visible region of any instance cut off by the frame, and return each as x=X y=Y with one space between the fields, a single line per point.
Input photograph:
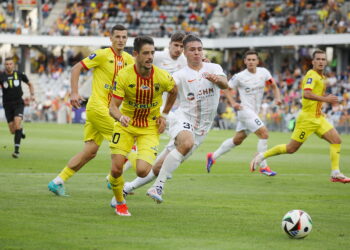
x=13 y=109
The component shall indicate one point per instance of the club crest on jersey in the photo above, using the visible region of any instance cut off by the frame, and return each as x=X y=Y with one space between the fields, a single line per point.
x=111 y=61
x=205 y=74
x=309 y=81
x=156 y=87
x=92 y=56
x=144 y=87
x=131 y=85
x=190 y=96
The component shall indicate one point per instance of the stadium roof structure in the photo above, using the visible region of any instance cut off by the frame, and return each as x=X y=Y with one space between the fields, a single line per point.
x=218 y=43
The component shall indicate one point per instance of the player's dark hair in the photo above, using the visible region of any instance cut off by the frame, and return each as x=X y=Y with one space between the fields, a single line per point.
x=250 y=52
x=118 y=27
x=177 y=37
x=317 y=51
x=191 y=38
x=10 y=58
x=142 y=40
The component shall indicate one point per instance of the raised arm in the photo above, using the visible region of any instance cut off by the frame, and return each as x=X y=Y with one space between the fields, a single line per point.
x=219 y=80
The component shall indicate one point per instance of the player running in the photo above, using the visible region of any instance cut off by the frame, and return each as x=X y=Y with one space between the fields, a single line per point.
x=99 y=124
x=139 y=89
x=311 y=120
x=250 y=83
x=199 y=85
x=11 y=84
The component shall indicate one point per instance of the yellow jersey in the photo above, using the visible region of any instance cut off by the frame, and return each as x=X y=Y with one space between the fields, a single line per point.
x=106 y=64
x=316 y=83
x=142 y=97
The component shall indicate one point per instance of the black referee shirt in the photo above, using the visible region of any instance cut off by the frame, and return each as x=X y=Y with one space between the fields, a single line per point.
x=12 y=86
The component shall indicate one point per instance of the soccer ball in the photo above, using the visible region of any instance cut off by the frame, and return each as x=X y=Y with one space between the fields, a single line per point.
x=297 y=224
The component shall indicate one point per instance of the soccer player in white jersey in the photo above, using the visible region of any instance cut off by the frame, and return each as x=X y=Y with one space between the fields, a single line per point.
x=250 y=84
x=172 y=59
x=199 y=85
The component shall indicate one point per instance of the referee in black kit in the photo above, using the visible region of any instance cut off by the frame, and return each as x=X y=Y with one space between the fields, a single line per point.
x=11 y=84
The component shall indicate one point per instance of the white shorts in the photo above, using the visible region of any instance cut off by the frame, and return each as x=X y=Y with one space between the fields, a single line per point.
x=248 y=121
x=178 y=123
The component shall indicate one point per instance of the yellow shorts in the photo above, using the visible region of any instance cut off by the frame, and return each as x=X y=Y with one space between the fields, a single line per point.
x=147 y=141
x=98 y=126
x=306 y=125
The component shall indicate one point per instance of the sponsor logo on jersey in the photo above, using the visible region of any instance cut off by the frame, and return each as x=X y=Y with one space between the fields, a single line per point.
x=190 y=96
x=203 y=93
x=110 y=87
x=309 y=81
x=144 y=87
x=191 y=80
x=111 y=61
x=157 y=87
x=142 y=106
x=120 y=64
x=252 y=90
x=92 y=56
x=6 y=85
x=131 y=85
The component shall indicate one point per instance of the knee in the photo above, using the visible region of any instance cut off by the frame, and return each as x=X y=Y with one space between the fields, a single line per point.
x=187 y=146
x=141 y=173
x=291 y=150
x=265 y=136
x=337 y=141
x=237 y=141
x=116 y=171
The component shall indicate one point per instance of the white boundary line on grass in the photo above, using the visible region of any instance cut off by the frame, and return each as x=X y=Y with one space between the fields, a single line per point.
x=101 y=174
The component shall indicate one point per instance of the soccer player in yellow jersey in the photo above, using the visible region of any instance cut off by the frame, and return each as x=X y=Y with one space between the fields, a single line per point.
x=311 y=120
x=139 y=88
x=99 y=124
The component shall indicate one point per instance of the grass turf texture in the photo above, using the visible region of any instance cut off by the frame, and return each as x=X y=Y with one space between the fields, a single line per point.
x=230 y=208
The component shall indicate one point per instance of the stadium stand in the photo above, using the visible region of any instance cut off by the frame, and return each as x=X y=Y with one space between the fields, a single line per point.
x=155 y=18
x=285 y=17
x=212 y=19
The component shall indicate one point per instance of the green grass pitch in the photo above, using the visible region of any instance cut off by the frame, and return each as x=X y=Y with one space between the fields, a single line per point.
x=230 y=208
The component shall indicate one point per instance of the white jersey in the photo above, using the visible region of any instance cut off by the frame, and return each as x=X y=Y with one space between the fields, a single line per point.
x=198 y=97
x=163 y=60
x=251 y=87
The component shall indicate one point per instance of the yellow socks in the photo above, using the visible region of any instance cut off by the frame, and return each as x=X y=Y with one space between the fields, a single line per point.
x=276 y=150
x=335 y=156
x=66 y=173
x=117 y=187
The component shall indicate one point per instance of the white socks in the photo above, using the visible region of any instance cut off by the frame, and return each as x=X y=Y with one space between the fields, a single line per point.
x=58 y=180
x=171 y=162
x=262 y=147
x=224 y=148
x=138 y=181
